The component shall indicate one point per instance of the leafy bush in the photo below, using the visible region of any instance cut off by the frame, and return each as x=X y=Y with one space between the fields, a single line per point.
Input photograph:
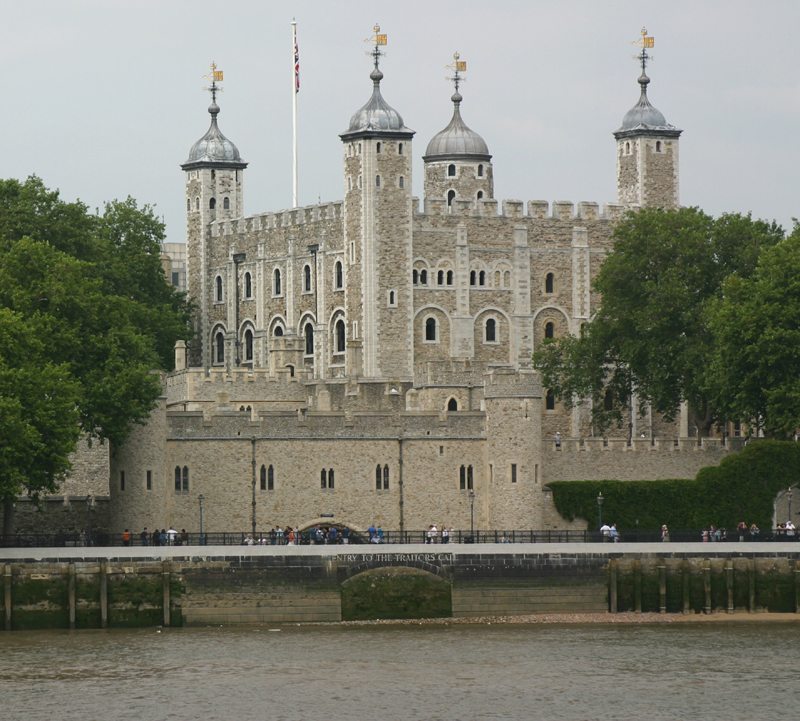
x=741 y=488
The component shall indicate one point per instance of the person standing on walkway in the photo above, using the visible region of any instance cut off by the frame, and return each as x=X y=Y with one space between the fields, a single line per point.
x=664 y=533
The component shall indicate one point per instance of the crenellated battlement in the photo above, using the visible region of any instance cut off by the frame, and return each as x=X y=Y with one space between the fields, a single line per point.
x=517 y=209
x=301 y=423
x=290 y=218
x=597 y=459
x=642 y=445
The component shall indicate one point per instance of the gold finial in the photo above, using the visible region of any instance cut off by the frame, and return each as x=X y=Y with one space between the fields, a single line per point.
x=646 y=41
x=458 y=66
x=377 y=39
x=215 y=76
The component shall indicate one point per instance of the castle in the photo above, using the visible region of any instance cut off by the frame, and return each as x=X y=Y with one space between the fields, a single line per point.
x=369 y=360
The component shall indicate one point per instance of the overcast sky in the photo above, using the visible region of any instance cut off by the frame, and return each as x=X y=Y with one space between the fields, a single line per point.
x=103 y=98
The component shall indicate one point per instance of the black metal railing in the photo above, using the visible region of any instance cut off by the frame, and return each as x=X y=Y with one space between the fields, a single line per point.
x=310 y=537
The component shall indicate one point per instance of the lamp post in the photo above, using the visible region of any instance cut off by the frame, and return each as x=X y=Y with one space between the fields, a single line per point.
x=89 y=504
x=600 y=500
x=472 y=512
x=200 y=500
x=253 y=474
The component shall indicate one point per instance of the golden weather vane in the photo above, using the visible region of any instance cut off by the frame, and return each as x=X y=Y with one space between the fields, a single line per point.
x=215 y=76
x=458 y=66
x=646 y=41
x=377 y=40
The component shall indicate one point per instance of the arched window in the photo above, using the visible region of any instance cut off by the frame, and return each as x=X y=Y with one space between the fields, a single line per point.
x=449 y=277
x=185 y=479
x=482 y=278
x=219 y=347
x=218 y=289
x=549 y=329
x=197 y=203
x=263 y=478
x=627 y=148
x=480 y=170
x=248 y=345
x=188 y=204
x=462 y=478
x=451 y=171
x=226 y=203
x=498 y=279
x=506 y=278
x=248 y=285
x=270 y=478
x=491 y=330
x=423 y=277
x=323 y=478
x=399 y=148
x=550 y=401
x=338 y=275
x=378 y=147
x=307 y=278
x=479 y=195
x=392 y=298
x=386 y=478
x=276 y=282
x=177 y=479
x=469 y=477
x=212 y=203
x=658 y=146
x=451 y=196
x=473 y=276
x=401 y=182
x=377 y=181
x=340 y=337
x=549 y=283
x=415 y=276
x=452 y=405
x=278 y=332
x=440 y=277
x=378 y=478
x=430 y=329
x=308 y=331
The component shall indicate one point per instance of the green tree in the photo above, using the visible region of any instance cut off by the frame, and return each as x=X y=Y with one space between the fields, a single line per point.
x=87 y=317
x=651 y=333
x=756 y=327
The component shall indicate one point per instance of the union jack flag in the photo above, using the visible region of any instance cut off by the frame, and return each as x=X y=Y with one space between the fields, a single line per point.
x=296 y=65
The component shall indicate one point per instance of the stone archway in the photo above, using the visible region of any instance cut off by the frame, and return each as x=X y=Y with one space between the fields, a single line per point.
x=396 y=592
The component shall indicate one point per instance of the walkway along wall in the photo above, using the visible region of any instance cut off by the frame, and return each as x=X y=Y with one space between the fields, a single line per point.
x=91 y=588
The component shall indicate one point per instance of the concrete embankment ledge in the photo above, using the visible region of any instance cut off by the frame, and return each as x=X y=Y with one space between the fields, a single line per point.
x=90 y=587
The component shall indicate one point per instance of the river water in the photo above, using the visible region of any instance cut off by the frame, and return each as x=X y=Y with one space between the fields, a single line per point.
x=703 y=672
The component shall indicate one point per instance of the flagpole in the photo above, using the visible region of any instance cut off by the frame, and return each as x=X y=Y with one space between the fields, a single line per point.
x=295 y=88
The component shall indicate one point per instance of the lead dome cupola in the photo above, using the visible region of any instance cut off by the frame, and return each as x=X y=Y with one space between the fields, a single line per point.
x=376 y=116
x=214 y=148
x=643 y=118
x=457 y=140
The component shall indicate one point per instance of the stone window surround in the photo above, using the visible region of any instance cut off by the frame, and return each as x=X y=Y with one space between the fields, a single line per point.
x=435 y=326
x=485 y=324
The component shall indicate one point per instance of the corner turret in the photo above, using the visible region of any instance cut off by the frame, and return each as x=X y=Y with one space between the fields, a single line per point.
x=457 y=161
x=214 y=191
x=647 y=150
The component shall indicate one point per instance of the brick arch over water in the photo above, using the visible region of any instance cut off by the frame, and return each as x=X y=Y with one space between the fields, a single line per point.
x=439 y=565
